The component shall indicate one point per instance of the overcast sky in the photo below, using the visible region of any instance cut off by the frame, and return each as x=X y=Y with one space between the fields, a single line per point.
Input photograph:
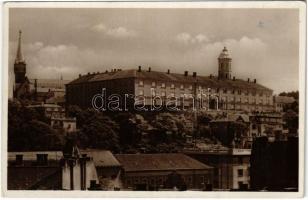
x=263 y=42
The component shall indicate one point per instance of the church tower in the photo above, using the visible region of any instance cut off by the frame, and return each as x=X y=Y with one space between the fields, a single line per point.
x=224 y=65
x=19 y=65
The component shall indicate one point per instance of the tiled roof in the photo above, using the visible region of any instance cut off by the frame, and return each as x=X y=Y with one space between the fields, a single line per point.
x=171 y=161
x=102 y=158
x=210 y=81
x=23 y=178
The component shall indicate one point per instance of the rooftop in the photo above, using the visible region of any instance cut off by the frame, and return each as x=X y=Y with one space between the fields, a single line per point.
x=209 y=81
x=150 y=162
x=31 y=155
x=102 y=158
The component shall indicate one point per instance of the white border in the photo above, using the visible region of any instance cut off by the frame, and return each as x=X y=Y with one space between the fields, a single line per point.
x=174 y=5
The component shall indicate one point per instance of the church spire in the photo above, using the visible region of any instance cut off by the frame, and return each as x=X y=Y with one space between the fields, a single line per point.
x=19 y=57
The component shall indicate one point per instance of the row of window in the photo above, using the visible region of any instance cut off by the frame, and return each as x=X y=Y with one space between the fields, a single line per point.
x=200 y=88
x=231 y=99
x=160 y=180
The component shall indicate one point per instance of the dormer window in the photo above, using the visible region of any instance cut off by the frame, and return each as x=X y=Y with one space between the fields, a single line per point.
x=153 y=84
x=172 y=86
x=140 y=83
x=163 y=85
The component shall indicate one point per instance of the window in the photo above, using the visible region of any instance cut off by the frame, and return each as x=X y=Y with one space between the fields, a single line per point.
x=41 y=159
x=239 y=92
x=182 y=87
x=190 y=87
x=163 y=94
x=240 y=172
x=172 y=94
x=172 y=86
x=225 y=91
x=201 y=179
x=233 y=91
x=19 y=159
x=153 y=84
x=140 y=83
x=254 y=126
x=200 y=87
x=153 y=92
x=217 y=90
x=163 y=85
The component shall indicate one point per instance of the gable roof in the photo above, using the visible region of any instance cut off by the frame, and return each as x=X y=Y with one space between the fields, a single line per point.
x=209 y=81
x=102 y=158
x=150 y=162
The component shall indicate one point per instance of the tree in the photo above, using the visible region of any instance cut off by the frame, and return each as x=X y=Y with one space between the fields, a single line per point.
x=28 y=129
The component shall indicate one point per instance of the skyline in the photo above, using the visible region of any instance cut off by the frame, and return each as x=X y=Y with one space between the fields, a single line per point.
x=263 y=45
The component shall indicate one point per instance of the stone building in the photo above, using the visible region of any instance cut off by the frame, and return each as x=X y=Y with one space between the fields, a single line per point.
x=266 y=124
x=164 y=171
x=39 y=90
x=50 y=110
x=185 y=90
x=22 y=83
x=34 y=170
x=281 y=101
x=231 y=167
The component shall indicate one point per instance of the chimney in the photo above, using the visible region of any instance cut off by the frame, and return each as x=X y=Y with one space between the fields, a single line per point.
x=211 y=76
x=233 y=78
x=79 y=75
x=186 y=73
x=149 y=69
x=255 y=80
x=106 y=71
x=88 y=73
x=194 y=74
x=139 y=69
x=248 y=80
x=168 y=72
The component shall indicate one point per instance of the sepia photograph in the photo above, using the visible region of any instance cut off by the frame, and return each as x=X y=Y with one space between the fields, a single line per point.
x=177 y=98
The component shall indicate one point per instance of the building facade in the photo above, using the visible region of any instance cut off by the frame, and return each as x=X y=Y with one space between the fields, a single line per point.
x=231 y=167
x=163 y=171
x=185 y=90
x=266 y=124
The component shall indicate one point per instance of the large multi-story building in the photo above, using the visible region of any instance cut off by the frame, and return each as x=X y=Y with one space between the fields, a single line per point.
x=184 y=90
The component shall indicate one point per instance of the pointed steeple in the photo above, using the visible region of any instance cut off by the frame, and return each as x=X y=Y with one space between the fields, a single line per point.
x=19 y=58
